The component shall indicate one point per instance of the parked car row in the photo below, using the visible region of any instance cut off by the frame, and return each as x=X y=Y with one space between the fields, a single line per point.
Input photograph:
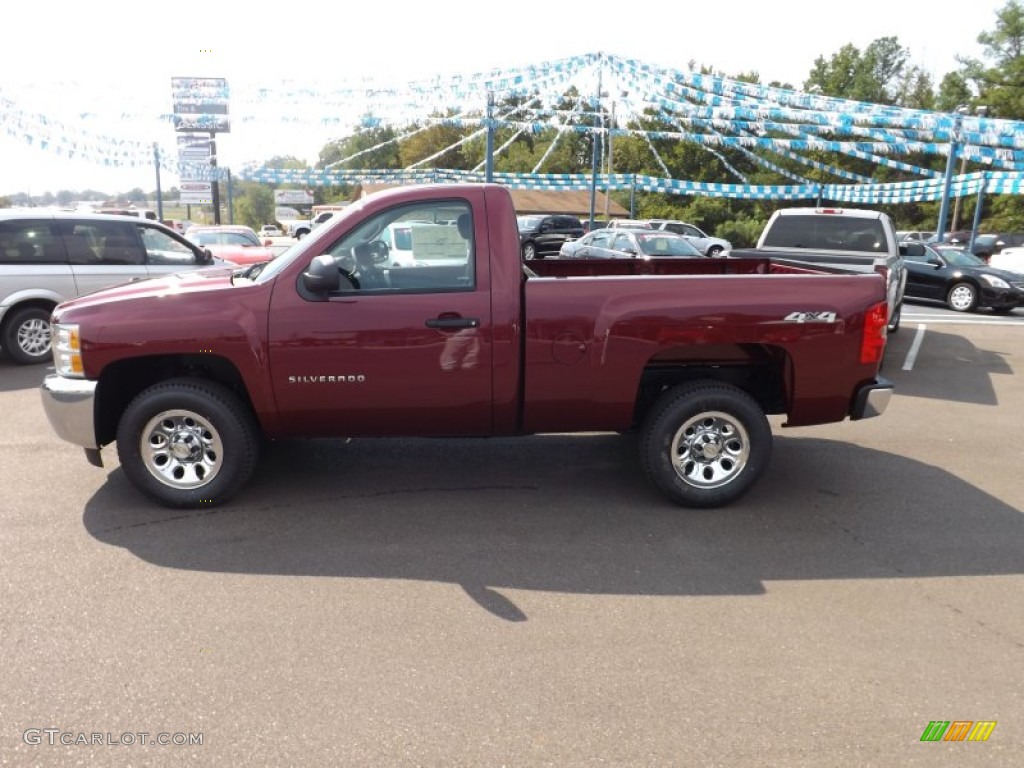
x=541 y=236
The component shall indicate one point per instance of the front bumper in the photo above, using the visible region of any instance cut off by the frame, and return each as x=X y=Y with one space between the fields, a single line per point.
x=871 y=399
x=70 y=407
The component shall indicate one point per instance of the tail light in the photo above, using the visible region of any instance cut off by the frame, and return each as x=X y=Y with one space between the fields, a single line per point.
x=873 y=338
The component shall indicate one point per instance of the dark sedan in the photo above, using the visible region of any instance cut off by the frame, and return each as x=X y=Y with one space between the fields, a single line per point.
x=961 y=280
x=629 y=244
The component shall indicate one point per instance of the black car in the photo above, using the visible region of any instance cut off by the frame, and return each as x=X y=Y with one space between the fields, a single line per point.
x=541 y=236
x=961 y=280
x=630 y=244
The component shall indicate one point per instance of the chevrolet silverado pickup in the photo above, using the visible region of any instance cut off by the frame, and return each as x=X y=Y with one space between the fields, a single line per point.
x=189 y=374
x=854 y=238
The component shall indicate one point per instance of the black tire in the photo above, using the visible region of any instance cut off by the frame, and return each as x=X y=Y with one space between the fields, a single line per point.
x=26 y=336
x=714 y=251
x=201 y=417
x=728 y=437
x=529 y=251
x=894 y=322
x=962 y=297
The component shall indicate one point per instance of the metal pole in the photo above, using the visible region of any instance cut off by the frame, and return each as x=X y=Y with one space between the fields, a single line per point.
x=956 y=203
x=489 y=167
x=159 y=194
x=977 y=210
x=632 y=196
x=954 y=145
x=231 y=207
x=607 y=188
x=596 y=153
x=214 y=184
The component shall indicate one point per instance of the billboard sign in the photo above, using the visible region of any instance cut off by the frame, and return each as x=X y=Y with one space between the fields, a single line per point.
x=196 y=192
x=200 y=104
x=293 y=197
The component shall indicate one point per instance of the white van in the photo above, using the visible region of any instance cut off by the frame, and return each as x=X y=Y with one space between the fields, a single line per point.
x=47 y=257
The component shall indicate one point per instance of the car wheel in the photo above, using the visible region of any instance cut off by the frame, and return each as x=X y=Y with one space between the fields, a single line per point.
x=705 y=443
x=187 y=443
x=529 y=252
x=962 y=297
x=26 y=336
x=713 y=251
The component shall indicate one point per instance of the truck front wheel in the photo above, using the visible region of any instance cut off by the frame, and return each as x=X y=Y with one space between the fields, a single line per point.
x=187 y=443
x=705 y=444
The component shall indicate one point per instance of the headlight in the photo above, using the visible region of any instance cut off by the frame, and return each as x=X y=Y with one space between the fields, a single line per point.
x=995 y=282
x=67 y=350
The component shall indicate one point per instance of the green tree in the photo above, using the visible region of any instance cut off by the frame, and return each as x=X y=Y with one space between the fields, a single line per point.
x=254 y=204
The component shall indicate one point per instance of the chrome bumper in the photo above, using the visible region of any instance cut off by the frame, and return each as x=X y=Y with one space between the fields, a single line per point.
x=871 y=399
x=69 y=405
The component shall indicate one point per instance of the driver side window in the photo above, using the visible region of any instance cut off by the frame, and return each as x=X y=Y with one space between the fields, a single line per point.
x=425 y=247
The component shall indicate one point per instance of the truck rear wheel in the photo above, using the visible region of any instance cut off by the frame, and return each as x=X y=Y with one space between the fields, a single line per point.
x=705 y=444
x=187 y=443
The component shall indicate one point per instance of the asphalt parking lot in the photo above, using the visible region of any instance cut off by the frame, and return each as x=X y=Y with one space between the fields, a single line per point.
x=532 y=601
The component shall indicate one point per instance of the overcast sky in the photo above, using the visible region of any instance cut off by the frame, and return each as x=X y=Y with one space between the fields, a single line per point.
x=82 y=58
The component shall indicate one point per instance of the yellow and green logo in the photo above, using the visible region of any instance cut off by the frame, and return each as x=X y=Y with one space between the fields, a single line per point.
x=958 y=730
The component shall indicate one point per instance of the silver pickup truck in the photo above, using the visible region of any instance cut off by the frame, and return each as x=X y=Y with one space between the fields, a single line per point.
x=845 y=237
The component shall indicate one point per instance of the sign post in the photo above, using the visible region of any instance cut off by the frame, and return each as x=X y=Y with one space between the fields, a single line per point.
x=200 y=104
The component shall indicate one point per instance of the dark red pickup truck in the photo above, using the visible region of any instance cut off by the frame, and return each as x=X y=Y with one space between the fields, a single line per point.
x=442 y=331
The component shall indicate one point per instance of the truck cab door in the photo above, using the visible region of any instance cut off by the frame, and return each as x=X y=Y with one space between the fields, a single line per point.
x=390 y=350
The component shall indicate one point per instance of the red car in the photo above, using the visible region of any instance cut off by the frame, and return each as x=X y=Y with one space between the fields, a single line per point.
x=234 y=243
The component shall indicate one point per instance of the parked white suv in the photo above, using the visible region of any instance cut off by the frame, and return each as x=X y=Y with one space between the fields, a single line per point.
x=709 y=246
x=47 y=257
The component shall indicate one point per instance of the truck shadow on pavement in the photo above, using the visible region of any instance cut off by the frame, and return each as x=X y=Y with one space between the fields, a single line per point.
x=571 y=514
x=948 y=367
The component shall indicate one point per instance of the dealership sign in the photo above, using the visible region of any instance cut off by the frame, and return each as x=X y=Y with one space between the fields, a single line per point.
x=196 y=192
x=293 y=197
x=200 y=104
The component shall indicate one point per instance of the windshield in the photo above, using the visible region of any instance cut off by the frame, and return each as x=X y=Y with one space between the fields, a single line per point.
x=960 y=258
x=665 y=245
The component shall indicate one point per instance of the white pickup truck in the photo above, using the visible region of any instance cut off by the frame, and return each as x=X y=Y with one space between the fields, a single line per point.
x=845 y=237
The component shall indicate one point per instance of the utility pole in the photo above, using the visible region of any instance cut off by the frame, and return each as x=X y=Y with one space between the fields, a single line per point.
x=215 y=183
x=489 y=167
x=595 y=165
x=980 y=110
x=159 y=194
x=607 y=188
x=954 y=147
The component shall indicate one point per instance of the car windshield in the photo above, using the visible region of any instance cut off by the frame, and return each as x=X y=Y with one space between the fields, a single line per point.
x=665 y=245
x=959 y=258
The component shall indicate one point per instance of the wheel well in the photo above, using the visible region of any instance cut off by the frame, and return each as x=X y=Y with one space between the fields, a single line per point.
x=759 y=370
x=45 y=304
x=120 y=382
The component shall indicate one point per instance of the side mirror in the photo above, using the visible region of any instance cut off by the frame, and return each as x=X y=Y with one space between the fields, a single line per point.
x=321 y=276
x=268 y=242
x=207 y=256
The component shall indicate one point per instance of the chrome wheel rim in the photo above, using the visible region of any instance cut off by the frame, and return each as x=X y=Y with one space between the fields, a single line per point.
x=961 y=297
x=34 y=337
x=181 y=449
x=710 y=450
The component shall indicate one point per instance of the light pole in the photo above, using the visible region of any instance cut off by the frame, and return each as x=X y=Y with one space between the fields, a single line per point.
x=982 y=111
x=954 y=146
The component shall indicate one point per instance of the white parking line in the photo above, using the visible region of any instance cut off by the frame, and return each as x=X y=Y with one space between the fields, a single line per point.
x=908 y=364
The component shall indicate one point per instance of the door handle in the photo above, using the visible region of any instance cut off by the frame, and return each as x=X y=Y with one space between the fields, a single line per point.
x=449 y=323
